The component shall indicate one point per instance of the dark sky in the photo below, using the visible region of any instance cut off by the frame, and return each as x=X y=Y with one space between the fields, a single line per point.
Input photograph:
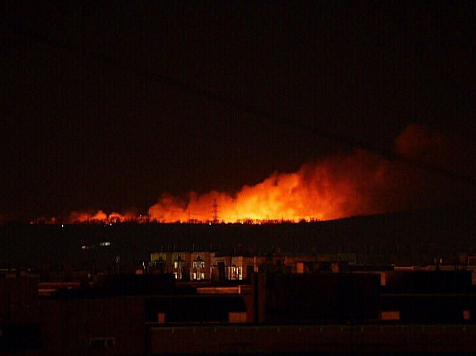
x=86 y=121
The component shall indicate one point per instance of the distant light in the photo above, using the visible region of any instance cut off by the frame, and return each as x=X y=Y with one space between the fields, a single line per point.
x=62 y=225
x=105 y=243
x=209 y=223
x=110 y=224
x=84 y=247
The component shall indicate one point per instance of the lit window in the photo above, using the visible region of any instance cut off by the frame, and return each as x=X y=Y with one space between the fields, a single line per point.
x=194 y=264
x=194 y=275
x=175 y=264
x=202 y=275
x=176 y=275
x=202 y=264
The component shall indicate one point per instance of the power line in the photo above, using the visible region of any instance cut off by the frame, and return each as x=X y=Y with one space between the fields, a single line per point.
x=239 y=106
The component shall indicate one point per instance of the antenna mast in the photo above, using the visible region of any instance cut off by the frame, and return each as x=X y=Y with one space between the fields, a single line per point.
x=215 y=211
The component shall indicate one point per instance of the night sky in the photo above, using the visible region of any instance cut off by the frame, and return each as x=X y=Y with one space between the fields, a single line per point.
x=87 y=120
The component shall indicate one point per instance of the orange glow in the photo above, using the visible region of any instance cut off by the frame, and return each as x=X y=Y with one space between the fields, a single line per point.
x=333 y=188
x=100 y=217
x=360 y=183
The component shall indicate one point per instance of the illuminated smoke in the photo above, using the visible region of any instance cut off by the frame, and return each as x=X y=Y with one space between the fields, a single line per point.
x=360 y=183
x=329 y=189
x=418 y=141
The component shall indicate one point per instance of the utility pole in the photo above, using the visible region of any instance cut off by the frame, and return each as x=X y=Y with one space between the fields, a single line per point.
x=215 y=211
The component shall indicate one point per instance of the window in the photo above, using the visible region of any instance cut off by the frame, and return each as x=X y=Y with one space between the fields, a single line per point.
x=233 y=271
x=175 y=264
x=202 y=275
x=198 y=264
x=176 y=275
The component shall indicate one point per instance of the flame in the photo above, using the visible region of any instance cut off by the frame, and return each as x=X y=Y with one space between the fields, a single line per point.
x=360 y=183
x=100 y=217
x=333 y=188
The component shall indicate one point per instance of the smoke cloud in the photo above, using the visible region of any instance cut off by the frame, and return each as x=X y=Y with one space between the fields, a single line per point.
x=360 y=183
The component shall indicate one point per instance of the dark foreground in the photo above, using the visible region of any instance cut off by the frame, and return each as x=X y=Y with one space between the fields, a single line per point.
x=314 y=339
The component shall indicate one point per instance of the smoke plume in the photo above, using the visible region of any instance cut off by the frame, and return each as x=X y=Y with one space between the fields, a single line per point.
x=360 y=183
